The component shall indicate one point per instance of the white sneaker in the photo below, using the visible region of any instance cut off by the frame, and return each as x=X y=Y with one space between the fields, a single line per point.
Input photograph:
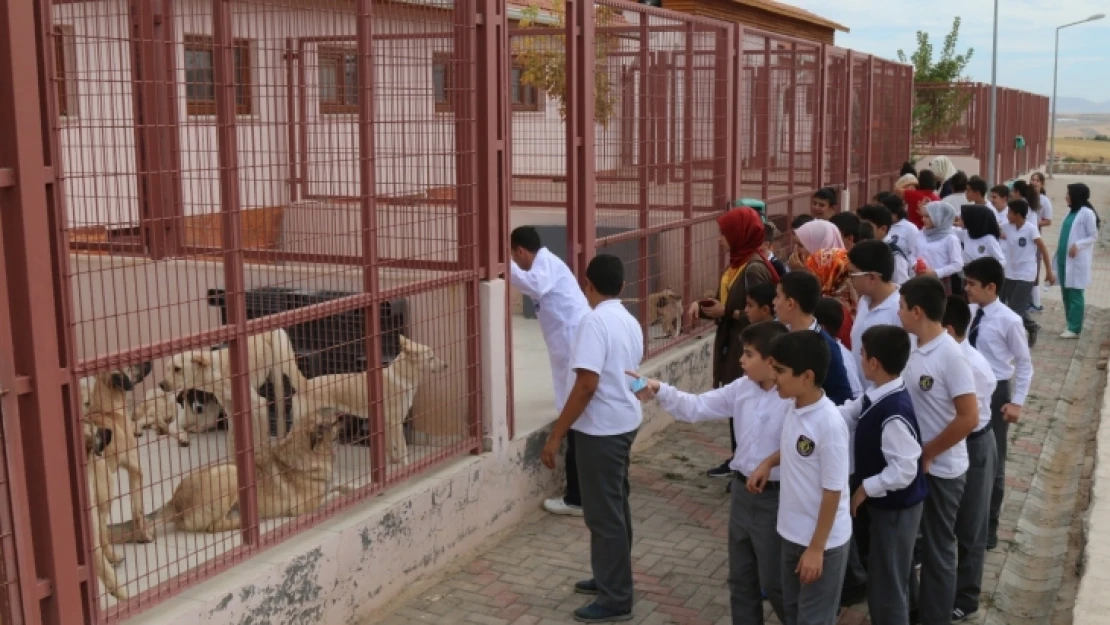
x=556 y=505
x=1068 y=334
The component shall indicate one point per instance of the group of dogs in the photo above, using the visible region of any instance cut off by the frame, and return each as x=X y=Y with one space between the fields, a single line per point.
x=293 y=475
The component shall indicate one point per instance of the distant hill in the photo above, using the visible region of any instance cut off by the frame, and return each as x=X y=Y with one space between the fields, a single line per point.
x=1081 y=105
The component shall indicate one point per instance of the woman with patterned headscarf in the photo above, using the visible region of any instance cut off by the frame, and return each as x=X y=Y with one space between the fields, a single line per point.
x=820 y=250
x=1074 y=253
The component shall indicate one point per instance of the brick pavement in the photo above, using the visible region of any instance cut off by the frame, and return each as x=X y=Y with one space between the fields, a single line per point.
x=680 y=521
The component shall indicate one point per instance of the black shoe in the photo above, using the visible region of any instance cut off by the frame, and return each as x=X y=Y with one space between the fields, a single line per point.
x=853 y=596
x=959 y=615
x=721 y=470
x=586 y=587
x=914 y=620
x=992 y=543
x=595 y=613
x=1033 y=331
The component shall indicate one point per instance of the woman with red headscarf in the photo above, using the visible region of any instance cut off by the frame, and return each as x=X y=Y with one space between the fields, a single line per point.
x=742 y=234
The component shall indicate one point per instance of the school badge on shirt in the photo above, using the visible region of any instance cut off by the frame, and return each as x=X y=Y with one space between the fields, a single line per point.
x=805 y=446
x=982 y=248
x=925 y=383
x=1022 y=242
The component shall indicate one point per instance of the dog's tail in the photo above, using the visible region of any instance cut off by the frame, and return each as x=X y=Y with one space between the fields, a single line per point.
x=125 y=532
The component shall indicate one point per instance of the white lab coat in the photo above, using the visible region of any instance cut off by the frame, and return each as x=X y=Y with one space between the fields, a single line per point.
x=1084 y=234
x=560 y=306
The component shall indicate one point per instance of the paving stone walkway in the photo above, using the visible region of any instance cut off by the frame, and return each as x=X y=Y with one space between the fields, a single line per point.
x=681 y=520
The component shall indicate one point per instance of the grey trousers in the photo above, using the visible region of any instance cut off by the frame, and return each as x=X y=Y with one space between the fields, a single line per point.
x=754 y=554
x=1018 y=295
x=817 y=603
x=1001 y=429
x=938 y=550
x=603 y=477
x=972 y=520
x=893 y=534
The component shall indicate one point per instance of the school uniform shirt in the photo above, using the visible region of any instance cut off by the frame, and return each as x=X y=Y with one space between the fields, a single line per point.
x=814 y=458
x=609 y=342
x=851 y=370
x=837 y=387
x=901 y=262
x=1004 y=343
x=1046 y=209
x=956 y=200
x=935 y=375
x=886 y=313
x=757 y=417
x=985 y=382
x=1021 y=250
x=1003 y=216
x=983 y=246
x=899 y=446
x=906 y=236
x=945 y=256
x=560 y=306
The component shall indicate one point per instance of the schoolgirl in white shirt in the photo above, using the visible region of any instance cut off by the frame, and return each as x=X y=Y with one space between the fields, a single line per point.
x=939 y=245
x=980 y=234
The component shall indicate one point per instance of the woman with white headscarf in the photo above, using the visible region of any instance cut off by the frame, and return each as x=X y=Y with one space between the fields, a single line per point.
x=944 y=169
x=939 y=244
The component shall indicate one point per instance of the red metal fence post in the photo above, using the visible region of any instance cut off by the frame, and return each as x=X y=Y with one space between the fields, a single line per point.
x=819 y=121
x=688 y=167
x=736 y=114
x=867 y=116
x=849 y=78
x=581 y=170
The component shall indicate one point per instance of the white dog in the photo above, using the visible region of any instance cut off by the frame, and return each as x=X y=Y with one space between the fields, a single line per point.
x=161 y=411
x=346 y=393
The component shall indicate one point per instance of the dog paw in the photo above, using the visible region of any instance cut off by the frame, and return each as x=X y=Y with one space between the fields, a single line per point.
x=144 y=535
x=114 y=558
x=119 y=593
x=183 y=442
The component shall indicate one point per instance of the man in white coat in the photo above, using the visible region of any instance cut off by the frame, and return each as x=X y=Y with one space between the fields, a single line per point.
x=560 y=305
x=1078 y=235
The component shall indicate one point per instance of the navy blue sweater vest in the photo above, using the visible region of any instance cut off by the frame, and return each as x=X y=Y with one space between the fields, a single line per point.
x=836 y=386
x=869 y=449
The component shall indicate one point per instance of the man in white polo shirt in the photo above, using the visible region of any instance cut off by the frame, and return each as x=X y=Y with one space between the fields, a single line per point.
x=560 y=306
x=604 y=415
x=871 y=268
x=942 y=387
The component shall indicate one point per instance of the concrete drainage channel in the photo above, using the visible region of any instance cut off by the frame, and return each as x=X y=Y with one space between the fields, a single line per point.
x=1038 y=573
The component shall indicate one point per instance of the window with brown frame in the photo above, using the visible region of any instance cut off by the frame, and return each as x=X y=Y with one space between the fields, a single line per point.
x=64 y=59
x=523 y=97
x=200 y=76
x=442 y=71
x=338 y=78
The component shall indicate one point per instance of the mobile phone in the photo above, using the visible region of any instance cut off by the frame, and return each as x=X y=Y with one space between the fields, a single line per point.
x=706 y=303
x=638 y=385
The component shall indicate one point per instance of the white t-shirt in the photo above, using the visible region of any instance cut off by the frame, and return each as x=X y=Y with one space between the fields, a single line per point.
x=984 y=382
x=936 y=374
x=609 y=342
x=852 y=370
x=983 y=246
x=945 y=256
x=1045 y=212
x=1021 y=251
x=956 y=200
x=814 y=458
x=886 y=313
x=906 y=236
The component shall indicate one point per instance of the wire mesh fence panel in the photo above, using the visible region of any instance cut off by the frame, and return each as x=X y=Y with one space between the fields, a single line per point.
x=10 y=604
x=836 y=117
x=270 y=214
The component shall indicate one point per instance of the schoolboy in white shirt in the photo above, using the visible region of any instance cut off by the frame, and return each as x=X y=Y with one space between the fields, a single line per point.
x=997 y=332
x=814 y=520
x=880 y=218
x=757 y=412
x=605 y=416
x=982 y=454
x=1023 y=241
x=999 y=199
x=941 y=385
x=870 y=266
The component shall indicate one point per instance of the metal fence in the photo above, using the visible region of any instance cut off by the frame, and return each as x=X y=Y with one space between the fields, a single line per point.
x=954 y=119
x=243 y=291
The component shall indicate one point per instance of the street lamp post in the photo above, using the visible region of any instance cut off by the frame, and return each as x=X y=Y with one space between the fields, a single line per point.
x=1055 y=68
x=991 y=171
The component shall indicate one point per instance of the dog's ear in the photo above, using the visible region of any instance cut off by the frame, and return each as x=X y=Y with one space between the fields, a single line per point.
x=320 y=435
x=142 y=371
x=201 y=359
x=406 y=345
x=121 y=381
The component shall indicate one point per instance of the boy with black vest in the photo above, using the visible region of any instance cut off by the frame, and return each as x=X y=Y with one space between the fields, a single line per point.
x=889 y=479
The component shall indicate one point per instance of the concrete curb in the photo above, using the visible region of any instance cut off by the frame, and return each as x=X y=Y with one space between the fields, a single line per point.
x=1092 y=604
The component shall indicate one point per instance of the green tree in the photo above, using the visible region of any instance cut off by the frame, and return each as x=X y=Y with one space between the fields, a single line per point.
x=938 y=107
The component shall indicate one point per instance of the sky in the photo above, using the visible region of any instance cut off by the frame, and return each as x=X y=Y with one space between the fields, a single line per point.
x=1026 y=38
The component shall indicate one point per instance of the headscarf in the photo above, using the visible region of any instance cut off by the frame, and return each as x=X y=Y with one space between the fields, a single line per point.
x=979 y=221
x=943 y=215
x=742 y=227
x=944 y=168
x=1080 y=195
x=819 y=235
x=905 y=182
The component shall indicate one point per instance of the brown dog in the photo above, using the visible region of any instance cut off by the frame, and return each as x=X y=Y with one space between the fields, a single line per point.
x=666 y=309
x=104 y=556
x=293 y=477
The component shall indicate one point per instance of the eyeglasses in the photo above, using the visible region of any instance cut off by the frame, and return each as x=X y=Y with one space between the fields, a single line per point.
x=860 y=274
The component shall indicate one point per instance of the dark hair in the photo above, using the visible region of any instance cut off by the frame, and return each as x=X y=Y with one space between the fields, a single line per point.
x=830 y=315
x=606 y=273
x=801 y=220
x=759 y=336
x=1029 y=193
x=763 y=294
x=926 y=293
x=978 y=185
x=907 y=168
x=959 y=182
x=1040 y=175
x=873 y=256
x=801 y=351
x=847 y=223
x=927 y=180
x=877 y=214
x=893 y=202
x=1001 y=190
x=802 y=287
x=526 y=237
x=986 y=270
x=866 y=231
x=1021 y=207
x=828 y=194
x=890 y=345
x=957 y=313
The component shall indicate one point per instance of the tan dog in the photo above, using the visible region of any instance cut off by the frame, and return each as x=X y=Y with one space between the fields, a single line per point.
x=665 y=307
x=161 y=411
x=106 y=409
x=104 y=556
x=346 y=393
x=270 y=356
x=293 y=476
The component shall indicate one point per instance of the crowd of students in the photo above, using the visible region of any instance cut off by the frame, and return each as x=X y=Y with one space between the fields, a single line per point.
x=869 y=383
